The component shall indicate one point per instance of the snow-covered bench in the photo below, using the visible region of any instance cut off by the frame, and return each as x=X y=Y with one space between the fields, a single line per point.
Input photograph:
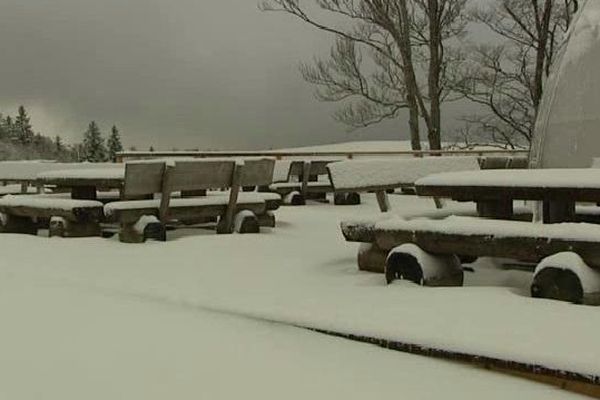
x=140 y=219
x=305 y=180
x=379 y=176
x=428 y=250
x=68 y=218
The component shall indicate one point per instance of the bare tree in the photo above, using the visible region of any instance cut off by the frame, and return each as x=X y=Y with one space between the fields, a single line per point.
x=374 y=67
x=508 y=79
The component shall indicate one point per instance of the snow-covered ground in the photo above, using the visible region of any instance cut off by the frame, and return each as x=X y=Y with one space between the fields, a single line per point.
x=64 y=342
x=206 y=315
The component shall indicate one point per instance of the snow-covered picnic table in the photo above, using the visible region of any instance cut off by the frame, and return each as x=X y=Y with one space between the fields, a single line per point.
x=84 y=183
x=495 y=190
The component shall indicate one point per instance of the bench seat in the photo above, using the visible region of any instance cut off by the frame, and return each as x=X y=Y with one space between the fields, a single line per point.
x=480 y=237
x=211 y=205
x=66 y=217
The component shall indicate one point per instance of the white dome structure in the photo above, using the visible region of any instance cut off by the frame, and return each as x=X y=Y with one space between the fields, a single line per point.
x=567 y=133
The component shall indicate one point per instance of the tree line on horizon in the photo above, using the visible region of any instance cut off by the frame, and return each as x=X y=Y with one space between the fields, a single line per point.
x=19 y=141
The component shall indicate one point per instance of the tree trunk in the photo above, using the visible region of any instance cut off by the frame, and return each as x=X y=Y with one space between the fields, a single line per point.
x=403 y=40
x=435 y=70
x=543 y=28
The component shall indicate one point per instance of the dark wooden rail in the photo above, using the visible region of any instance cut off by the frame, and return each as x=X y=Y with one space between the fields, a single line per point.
x=131 y=155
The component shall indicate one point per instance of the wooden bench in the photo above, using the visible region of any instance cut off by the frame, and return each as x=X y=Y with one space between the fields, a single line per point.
x=305 y=180
x=141 y=217
x=66 y=217
x=427 y=251
x=381 y=176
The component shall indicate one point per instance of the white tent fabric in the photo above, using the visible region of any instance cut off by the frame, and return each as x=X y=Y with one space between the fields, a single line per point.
x=567 y=133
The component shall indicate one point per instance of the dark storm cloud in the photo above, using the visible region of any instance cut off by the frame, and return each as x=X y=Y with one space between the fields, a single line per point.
x=182 y=73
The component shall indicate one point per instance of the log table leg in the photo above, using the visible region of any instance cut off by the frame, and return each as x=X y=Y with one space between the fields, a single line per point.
x=556 y=211
x=383 y=201
x=83 y=193
x=497 y=209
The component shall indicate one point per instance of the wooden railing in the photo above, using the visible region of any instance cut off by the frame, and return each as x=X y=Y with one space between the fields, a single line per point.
x=133 y=155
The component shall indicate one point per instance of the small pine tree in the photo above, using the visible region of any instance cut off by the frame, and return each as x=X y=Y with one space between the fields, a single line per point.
x=93 y=144
x=151 y=149
x=3 y=132
x=9 y=127
x=59 y=147
x=22 y=127
x=114 y=144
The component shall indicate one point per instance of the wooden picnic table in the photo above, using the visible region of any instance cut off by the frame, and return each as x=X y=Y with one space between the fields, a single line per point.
x=84 y=183
x=495 y=190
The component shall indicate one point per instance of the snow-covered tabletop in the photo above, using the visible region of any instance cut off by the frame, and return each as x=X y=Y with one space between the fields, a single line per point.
x=84 y=183
x=524 y=178
x=393 y=172
x=28 y=170
x=116 y=173
x=535 y=184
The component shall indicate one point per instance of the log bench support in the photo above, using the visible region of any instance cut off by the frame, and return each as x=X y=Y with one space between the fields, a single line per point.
x=371 y=258
x=409 y=262
x=61 y=227
x=147 y=227
x=346 y=199
x=245 y=221
x=267 y=219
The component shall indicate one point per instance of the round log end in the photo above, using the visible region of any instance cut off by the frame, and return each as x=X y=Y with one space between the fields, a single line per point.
x=557 y=284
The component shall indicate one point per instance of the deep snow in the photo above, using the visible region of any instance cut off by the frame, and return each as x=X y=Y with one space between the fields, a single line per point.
x=62 y=342
x=301 y=272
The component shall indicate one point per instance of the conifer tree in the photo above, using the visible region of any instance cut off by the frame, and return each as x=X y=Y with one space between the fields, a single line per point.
x=114 y=144
x=9 y=126
x=23 y=130
x=58 y=145
x=3 y=132
x=93 y=144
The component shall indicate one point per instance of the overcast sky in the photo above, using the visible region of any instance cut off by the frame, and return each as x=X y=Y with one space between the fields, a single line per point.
x=171 y=74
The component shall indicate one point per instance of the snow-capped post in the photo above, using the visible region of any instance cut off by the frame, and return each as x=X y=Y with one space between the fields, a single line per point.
x=166 y=192
x=226 y=222
x=305 y=178
x=383 y=201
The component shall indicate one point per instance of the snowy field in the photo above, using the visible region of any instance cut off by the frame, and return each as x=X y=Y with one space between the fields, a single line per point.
x=207 y=316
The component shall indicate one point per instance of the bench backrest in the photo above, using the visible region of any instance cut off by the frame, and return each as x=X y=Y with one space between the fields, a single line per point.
x=145 y=178
x=191 y=175
x=384 y=174
x=258 y=172
x=318 y=167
